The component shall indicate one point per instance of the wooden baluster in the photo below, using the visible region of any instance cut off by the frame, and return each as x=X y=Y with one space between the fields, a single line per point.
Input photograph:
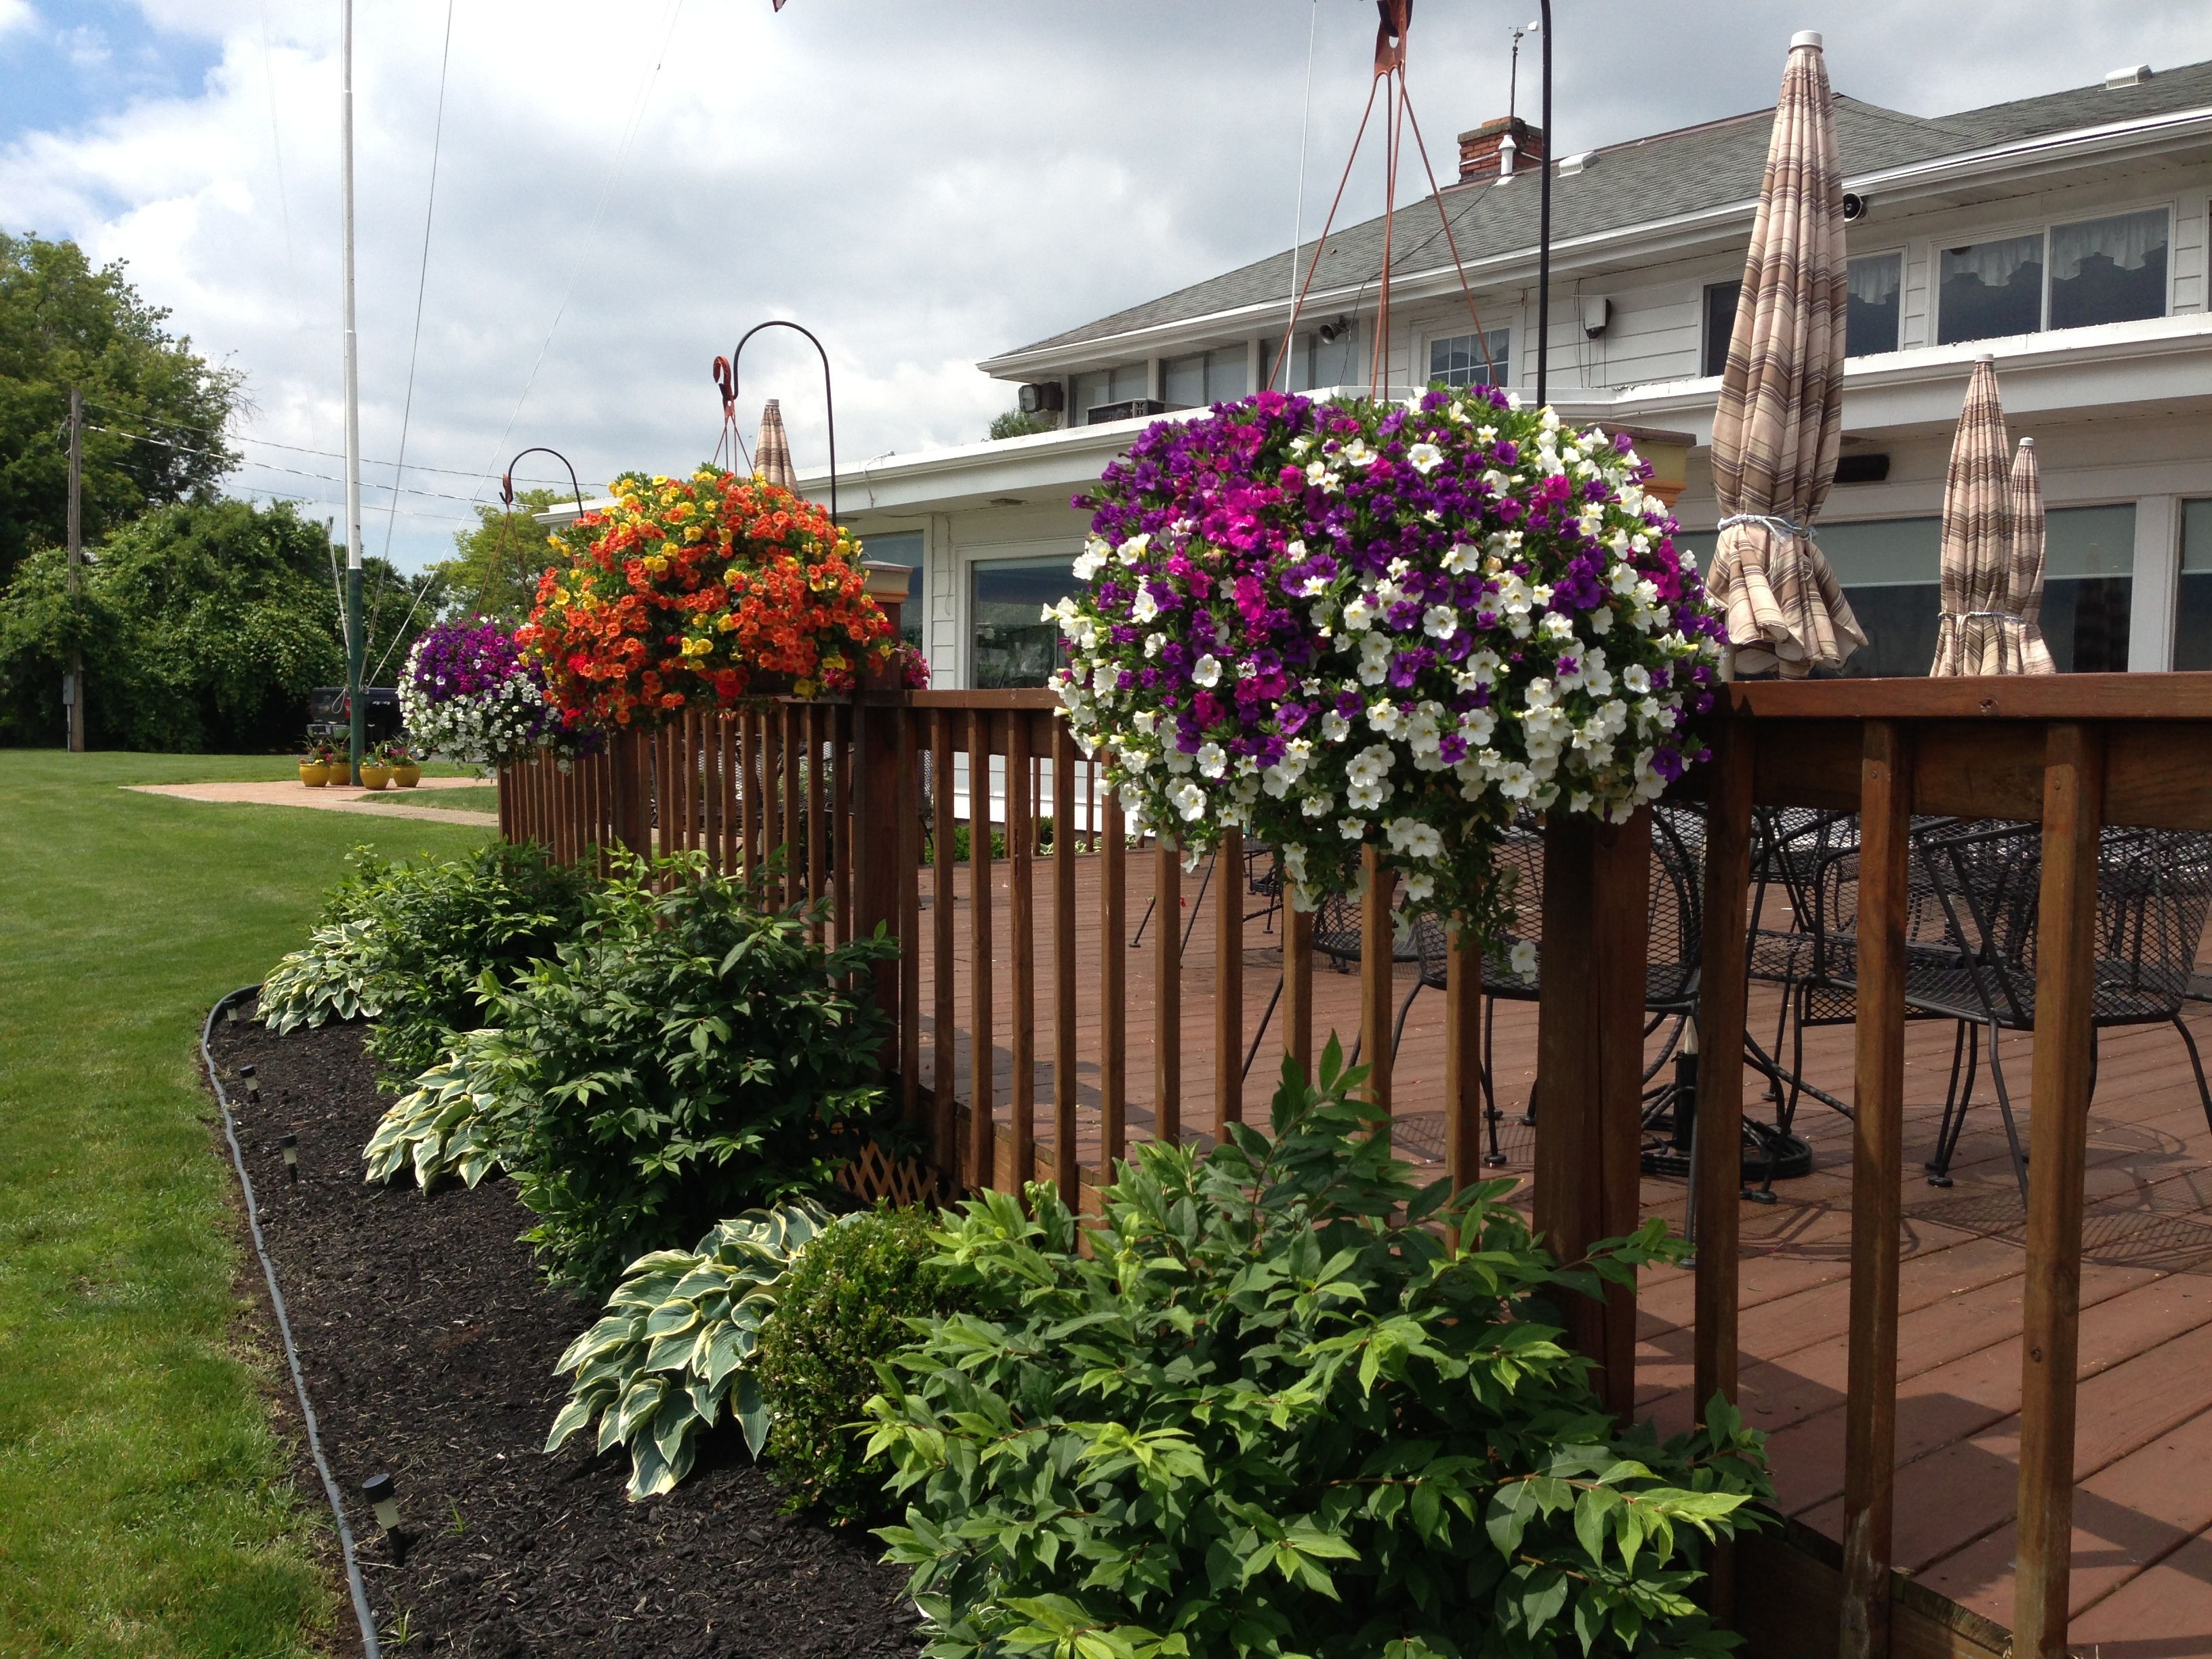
x=747 y=803
x=842 y=864
x=982 y=1086
x=1463 y=1059
x=879 y=845
x=1066 y=1165
x=1228 y=982
x=686 y=736
x=943 y=896
x=794 y=797
x=1021 y=912
x=1718 y=1141
x=1113 y=988
x=732 y=856
x=2058 y=1129
x=817 y=839
x=774 y=854
x=908 y=842
x=1167 y=993
x=1877 y=1174
x=664 y=794
x=626 y=758
x=1589 y=1055
x=1378 y=975
x=1298 y=984
x=505 y=776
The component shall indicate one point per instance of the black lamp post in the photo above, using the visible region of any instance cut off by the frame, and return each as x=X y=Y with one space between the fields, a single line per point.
x=726 y=381
x=507 y=478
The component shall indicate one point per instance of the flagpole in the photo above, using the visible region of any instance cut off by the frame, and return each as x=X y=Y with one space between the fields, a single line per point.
x=356 y=644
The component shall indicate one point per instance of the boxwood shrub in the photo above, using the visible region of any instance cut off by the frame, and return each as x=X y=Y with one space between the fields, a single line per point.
x=848 y=1302
x=1272 y=1410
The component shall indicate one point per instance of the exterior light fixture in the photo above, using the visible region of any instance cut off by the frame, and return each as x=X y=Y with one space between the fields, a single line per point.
x=289 y=1146
x=384 y=1498
x=233 y=1013
x=252 y=1083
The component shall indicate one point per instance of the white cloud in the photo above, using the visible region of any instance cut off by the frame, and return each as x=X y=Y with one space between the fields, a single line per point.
x=15 y=14
x=921 y=184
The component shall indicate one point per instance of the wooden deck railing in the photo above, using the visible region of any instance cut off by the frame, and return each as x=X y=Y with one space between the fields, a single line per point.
x=839 y=790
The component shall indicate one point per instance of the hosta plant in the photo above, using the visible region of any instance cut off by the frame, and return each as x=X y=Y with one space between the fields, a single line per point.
x=449 y=1123
x=1285 y=1403
x=677 y=1345
x=332 y=976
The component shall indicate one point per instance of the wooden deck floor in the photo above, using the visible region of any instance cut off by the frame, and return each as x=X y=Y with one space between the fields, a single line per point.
x=2143 y=1548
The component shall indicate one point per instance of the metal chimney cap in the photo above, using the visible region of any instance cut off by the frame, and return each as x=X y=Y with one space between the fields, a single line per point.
x=1806 y=37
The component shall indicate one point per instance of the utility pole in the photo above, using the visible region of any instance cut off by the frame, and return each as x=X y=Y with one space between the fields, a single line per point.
x=357 y=642
x=73 y=682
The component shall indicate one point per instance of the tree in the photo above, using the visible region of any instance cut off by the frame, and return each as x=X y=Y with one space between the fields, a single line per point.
x=62 y=323
x=494 y=570
x=1020 y=423
x=203 y=626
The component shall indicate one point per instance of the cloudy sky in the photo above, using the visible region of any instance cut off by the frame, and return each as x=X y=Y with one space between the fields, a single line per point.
x=622 y=189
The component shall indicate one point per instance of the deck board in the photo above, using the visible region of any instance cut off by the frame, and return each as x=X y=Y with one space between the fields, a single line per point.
x=2143 y=1560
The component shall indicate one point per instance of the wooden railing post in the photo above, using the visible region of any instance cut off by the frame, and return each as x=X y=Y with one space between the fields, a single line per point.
x=982 y=1156
x=1298 y=984
x=878 y=844
x=1113 y=984
x=1877 y=1174
x=1068 y=1171
x=1377 y=973
x=1721 y=990
x=944 y=897
x=1463 y=1059
x=627 y=755
x=1229 y=982
x=1021 y=945
x=1167 y=992
x=1589 y=1058
x=2058 y=1125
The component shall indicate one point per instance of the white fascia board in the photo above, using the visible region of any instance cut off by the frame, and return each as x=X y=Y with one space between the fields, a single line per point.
x=554 y=518
x=1639 y=242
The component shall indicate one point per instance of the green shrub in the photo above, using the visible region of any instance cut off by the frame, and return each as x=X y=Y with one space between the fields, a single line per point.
x=677 y=1343
x=1265 y=1415
x=687 y=1057
x=407 y=947
x=846 y=1306
x=450 y=1121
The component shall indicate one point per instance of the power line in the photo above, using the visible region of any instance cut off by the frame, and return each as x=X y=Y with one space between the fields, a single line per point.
x=421 y=278
x=272 y=467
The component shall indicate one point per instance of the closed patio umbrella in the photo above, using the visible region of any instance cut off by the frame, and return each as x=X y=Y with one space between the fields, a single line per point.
x=772 y=452
x=1778 y=429
x=1980 y=631
x=2024 y=571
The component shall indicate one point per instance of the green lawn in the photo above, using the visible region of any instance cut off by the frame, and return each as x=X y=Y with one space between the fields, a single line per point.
x=146 y=1507
x=484 y=798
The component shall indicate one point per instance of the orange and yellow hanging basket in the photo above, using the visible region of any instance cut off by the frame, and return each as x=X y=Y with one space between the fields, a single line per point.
x=695 y=592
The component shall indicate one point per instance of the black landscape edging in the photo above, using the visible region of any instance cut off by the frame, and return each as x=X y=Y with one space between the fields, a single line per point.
x=428 y=1343
x=360 y=1590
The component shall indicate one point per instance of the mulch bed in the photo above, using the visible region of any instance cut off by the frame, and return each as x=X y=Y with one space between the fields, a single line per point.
x=429 y=1345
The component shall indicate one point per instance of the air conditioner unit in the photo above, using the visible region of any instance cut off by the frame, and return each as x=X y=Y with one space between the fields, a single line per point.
x=1128 y=408
x=1043 y=397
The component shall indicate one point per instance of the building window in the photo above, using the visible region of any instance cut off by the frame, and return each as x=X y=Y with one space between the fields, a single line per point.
x=1720 y=323
x=1219 y=376
x=904 y=547
x=2108 y=271
x=1117 y=385
x=2097 y=270
x=1014 y=645
x=1458 y=360
x=1989 y=290
x=1874 y=308
x=2192 y=621
x=1318 y=364
x=1892 y=572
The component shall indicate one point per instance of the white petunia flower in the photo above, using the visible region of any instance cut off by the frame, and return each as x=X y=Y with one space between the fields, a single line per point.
x=1145 y=607
x=1213 y=759
x=1425 y=458
x=1522 y=958
x=1207 y=670
x=1189 y=800
x=1440 y=621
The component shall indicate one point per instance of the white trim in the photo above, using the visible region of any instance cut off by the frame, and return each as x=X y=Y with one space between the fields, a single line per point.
x=2154 y=601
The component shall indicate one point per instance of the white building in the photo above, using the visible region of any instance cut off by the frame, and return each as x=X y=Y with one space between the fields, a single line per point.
x=2065 y=235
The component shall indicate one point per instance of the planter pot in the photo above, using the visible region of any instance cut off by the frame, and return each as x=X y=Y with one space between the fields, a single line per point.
x=407 y=777
x=312 y=775
x=375 y=777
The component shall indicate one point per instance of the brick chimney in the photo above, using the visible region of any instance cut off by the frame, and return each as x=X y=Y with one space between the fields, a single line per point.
x=1478 y=149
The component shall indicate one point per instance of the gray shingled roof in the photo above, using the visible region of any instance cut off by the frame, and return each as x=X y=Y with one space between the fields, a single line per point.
x=1647 y=179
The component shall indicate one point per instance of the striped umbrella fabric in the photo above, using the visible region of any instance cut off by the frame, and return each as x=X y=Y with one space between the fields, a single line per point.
x=2024 y=570
x=1780 y=426
x=772 y=452
x=1980 y=630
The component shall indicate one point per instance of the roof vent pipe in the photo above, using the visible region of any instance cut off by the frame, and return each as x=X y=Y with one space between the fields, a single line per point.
x=1506 y=148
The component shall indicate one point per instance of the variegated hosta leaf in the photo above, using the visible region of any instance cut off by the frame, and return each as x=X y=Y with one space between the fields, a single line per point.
x=327 y=979
x=448 y=1123
x=675 y=1341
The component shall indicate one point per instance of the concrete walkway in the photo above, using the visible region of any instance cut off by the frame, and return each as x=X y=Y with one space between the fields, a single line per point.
x=346 y=799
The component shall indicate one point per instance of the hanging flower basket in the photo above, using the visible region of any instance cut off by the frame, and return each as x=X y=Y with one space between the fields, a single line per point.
x=697 y=593
x=1338 y=625
x=467 y=694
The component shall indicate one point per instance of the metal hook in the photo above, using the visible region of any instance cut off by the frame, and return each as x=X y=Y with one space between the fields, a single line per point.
x=507 y=478
x=729 y=390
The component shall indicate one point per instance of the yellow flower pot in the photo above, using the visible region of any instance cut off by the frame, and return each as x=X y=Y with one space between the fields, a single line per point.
x=338 y=773
x=311 y=774
x=375 y=777
x=407 y=777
